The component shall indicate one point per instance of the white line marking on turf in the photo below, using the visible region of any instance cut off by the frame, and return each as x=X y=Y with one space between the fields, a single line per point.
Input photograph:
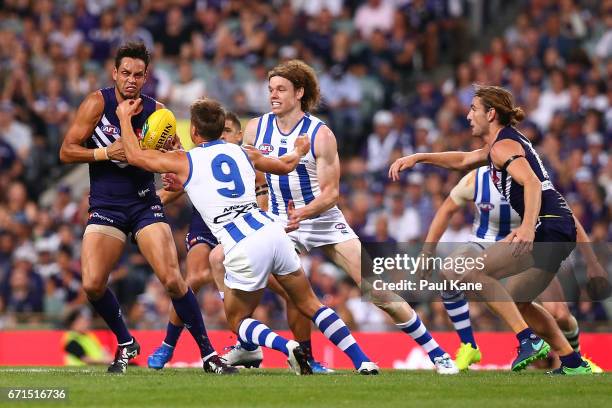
x=44 y=370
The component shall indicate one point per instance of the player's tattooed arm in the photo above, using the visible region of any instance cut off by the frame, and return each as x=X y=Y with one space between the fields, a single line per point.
x=261 y=190
x=282 y=165
x=72 y=149
x=447 y=160
x=150 y=160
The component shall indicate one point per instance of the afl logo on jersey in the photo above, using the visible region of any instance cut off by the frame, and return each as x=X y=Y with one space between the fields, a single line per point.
x=486 y=207
x=340 y=226
x=110 y=130
x=266 y=148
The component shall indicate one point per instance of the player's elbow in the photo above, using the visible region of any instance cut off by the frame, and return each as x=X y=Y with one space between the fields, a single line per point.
x=64 y=154
x=332 y=195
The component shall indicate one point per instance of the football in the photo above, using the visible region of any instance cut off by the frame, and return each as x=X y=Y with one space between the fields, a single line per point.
x=159 y=130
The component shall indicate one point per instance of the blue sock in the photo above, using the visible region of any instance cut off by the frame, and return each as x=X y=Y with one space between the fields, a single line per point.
x=525 y=334
x=459 y=313
x=247 y=346
x=336 y=331
x=306 y=345
x=572 y=360
x=417 y=330
x=108 y=307
x=255 y=332
x=188 y=310
x=172 y=334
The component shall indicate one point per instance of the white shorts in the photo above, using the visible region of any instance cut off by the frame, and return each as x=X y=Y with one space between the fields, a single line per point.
x=268 y=250
x=326 y=229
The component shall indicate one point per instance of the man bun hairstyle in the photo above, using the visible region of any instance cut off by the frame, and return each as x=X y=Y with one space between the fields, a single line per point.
x=301 y=75
x=136 y=50
x=500 y=99
x=208 y=118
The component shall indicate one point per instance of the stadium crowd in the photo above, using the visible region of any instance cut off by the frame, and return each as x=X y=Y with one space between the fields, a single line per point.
x=384 y=73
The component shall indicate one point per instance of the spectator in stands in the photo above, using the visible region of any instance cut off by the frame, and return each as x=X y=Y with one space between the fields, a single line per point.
x=185 y=91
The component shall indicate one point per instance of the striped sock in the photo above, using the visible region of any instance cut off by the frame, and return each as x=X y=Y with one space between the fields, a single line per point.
x=255 y=332
x=459 y=313
x=573 y=337
x=417 y=330
x=247 y=346
x=336 y=331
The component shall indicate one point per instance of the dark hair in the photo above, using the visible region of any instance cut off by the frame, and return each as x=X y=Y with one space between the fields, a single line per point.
x=136 y=50
x=208 y=118
x=500 y=99
x=234 y=118
x=301 y=75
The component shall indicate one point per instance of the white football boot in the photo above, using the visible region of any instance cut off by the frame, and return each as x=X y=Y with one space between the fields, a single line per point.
x=445 y=365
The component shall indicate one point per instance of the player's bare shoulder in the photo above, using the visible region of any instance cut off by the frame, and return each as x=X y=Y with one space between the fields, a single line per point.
x=250 y=131
x=324 y=143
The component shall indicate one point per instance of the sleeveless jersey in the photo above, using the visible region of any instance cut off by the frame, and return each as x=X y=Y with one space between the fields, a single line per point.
x=553 y=203
x=302 y=184
x=495 y=217
x=113 y=178
x=221 y=186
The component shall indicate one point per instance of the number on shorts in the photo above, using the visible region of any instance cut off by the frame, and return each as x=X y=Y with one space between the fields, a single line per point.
x=220 y=166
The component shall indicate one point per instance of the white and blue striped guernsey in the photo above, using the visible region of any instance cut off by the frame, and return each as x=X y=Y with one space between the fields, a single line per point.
x=302 y=184
x=221 y=186
x=495 y=217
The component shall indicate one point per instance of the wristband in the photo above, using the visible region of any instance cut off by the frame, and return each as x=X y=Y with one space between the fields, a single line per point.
x=100 y=154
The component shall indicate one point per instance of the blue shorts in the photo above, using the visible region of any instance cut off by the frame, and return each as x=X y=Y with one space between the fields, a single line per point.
x=199 y=233
x=128 y=214
x=555 y=239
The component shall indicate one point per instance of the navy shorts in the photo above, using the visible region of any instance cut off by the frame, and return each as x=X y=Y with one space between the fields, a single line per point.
x=199 y=233
x=126 y=213
x=555 y=239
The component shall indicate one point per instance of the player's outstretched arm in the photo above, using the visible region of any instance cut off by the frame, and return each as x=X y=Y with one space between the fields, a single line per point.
x=282 y=165
x=328 y=174
x=86 y=118
x=448 y=160
x=150 y=160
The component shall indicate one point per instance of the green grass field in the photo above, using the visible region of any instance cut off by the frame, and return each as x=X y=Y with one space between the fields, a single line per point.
x=278 y=388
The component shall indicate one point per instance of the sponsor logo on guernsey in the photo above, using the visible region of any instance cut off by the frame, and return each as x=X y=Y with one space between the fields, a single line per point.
x=101 y=217
x=266 y=148
x=144 y=192
x=158 y=215
x=283 y=141
x=110 y=130
x=486 y=207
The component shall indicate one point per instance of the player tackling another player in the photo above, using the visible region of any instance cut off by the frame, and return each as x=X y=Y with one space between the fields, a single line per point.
x=519 y=175
x=314 y=187
x=220 y=181
x=122 y=201
x=199 y=242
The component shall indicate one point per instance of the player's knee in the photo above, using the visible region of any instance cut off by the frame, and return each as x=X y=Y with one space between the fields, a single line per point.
x=196 y=279
x=174 y=284
x=94 y=288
